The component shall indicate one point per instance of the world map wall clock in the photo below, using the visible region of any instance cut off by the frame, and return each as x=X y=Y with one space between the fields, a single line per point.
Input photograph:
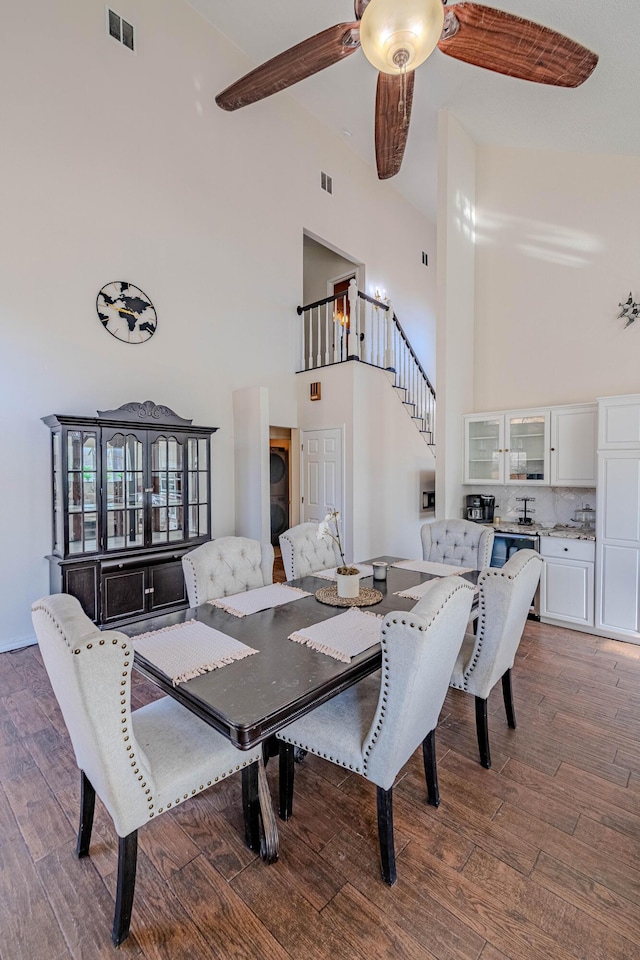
x=126 y=312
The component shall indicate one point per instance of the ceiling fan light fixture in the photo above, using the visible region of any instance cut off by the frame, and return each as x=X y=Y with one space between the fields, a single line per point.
x=400 y=36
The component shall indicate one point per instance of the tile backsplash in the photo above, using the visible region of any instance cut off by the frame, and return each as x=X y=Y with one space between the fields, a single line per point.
x=552 y=504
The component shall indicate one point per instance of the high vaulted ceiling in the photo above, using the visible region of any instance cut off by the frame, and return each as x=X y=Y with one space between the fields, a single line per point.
x=601 y=116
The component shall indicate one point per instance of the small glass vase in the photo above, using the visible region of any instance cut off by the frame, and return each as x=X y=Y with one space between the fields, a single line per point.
x=348 y=585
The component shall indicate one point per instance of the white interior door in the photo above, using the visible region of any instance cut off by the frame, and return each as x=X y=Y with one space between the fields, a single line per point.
x=321 y=473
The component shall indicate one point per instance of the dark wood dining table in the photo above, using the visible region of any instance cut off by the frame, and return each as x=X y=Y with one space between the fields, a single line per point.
x=249 y=700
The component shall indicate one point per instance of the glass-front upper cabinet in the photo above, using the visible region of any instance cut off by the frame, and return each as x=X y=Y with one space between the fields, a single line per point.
x=484 y=446
x=131 y=479
x=527 y=447
x=505 y=448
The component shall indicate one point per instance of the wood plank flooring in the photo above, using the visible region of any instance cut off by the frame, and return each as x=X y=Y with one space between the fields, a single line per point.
x=535 y=859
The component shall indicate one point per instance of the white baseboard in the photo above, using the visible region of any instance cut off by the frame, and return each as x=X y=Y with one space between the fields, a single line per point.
x=17 y=644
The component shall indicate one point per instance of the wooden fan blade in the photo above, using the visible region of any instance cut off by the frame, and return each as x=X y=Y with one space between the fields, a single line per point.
x=296 y=63
x=394 y=100
x=508 y=44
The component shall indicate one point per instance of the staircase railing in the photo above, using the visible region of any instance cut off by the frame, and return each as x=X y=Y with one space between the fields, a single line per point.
x=354 y=326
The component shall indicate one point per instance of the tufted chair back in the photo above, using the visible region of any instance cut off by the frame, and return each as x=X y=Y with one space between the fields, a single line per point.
x=303 y=553
x=225 y=566
x=458 y=542
x=90 y=672
x=140 y=764
x=419 y=649
x=505 y=599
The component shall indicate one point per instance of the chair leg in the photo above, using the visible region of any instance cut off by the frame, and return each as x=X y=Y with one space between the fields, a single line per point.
x=385 y=834
x=507 y=693
x=127 y=861
x=251 y=806
x=482 y=729
x=87 y=806
x=286 y=777
x=430 y=768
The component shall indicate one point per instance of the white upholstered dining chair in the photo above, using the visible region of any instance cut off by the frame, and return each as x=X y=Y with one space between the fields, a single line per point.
x=505 y=595
x=373 y=727
x=226 y=566
x=304 y=553
x=457 y=542
x=140 y=763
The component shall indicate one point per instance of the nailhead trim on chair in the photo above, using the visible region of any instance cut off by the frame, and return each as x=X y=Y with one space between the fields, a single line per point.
x=492 y=572
x=187 y=559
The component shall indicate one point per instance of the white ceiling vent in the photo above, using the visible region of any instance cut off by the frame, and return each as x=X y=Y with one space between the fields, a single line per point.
x=120 y=29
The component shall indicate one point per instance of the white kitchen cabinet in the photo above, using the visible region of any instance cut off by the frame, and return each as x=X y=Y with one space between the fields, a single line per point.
x=619 y=423
x=573 y=445
x=507 y=447
x=618 y=536
x=567 y=580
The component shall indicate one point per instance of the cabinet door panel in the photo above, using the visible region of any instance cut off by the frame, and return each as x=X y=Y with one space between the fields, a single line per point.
x=123 y=594
x=567 y=591
x=526 y=447
x=620 y=568
x=82 y=582
x=167 y=584
x=484 y=449
x=573 y=447
x=619 y=423
x=619 y=498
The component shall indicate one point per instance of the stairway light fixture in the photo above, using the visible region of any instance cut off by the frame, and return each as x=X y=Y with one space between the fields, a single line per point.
x=397 y=37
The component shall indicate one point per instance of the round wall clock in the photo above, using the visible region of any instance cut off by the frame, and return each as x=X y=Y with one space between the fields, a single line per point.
x=126 y=312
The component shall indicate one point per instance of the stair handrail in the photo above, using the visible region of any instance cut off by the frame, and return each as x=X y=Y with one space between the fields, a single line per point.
x=413 y=354
x=373 y=335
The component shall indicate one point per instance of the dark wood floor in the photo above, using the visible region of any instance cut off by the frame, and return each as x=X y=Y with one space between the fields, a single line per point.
x=535 y=859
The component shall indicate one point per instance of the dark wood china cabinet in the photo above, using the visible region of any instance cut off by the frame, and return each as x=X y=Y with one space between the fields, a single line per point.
x=131 y=495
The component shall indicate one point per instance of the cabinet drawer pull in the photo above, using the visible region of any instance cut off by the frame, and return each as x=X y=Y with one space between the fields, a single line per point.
x=148 y=489
x=149 y=589
x=565 y=549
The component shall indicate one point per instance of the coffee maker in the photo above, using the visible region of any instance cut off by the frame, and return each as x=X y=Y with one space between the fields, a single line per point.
x=480 y=508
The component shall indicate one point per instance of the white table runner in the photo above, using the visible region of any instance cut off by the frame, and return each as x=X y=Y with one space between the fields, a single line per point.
x=344 y=636
x=429 y=566
x=364 y=569
x=262 y=598
x=186 y=650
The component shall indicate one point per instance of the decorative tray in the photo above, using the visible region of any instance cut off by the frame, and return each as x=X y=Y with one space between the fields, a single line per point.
x=366 y=598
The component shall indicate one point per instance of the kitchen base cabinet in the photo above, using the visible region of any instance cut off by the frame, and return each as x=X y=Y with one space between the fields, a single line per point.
x=567 y=581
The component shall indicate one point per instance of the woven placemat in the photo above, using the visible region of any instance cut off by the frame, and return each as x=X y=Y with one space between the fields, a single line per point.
x=366 y=598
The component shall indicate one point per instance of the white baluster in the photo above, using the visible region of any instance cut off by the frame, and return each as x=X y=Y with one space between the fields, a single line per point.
x=354 y=326
x=327 y=330
x=388 y=319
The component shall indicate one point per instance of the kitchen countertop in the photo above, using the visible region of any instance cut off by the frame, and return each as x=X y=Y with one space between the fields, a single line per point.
x=560 y=530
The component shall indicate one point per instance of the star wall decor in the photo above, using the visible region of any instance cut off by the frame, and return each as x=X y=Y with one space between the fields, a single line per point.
x=630 y=310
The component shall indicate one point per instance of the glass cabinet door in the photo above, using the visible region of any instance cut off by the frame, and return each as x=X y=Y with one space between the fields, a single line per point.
x=124 y=489
x=484 y=445
x=81 y=481
x=198 y=481
x=527 y=444
x=167 y=504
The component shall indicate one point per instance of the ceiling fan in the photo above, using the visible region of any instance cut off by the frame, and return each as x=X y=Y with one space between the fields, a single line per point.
x=396 y=37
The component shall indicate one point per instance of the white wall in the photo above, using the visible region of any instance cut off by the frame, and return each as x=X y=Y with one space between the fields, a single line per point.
x=386 y=458
x=456 y=283
x=251 y=436
x=558 y=248
x=120 y=166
